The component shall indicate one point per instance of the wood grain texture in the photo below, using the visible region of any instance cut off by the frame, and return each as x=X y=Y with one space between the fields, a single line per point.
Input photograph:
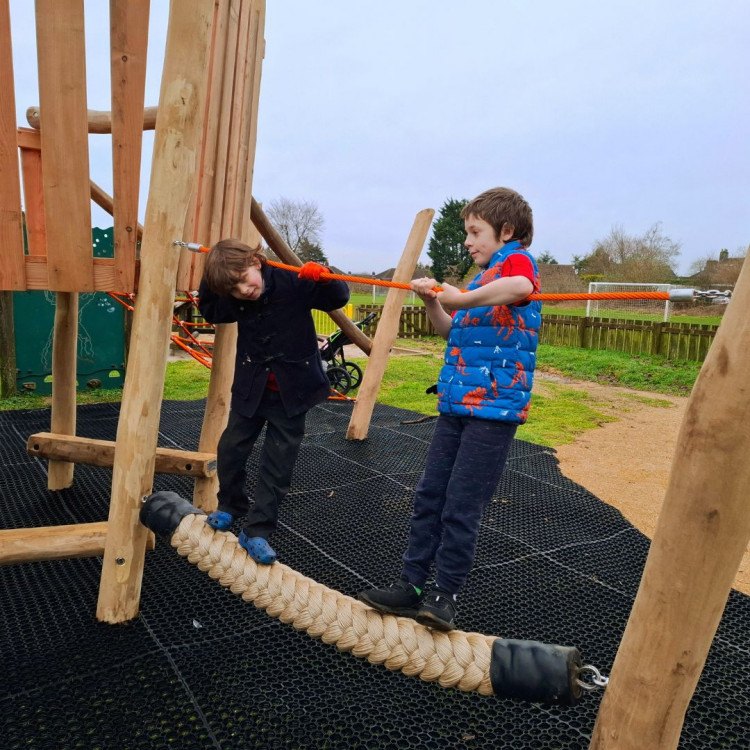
x=12 y=275
x=359 y=423
x=128 y=48
x=175 y=155
x=64 y=366
x=55 y=542
x=65 y=170
x=700 y=538
x=82 y=450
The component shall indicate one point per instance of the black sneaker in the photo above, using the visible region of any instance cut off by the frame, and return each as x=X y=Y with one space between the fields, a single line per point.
x=438 y=610
x=400 y=598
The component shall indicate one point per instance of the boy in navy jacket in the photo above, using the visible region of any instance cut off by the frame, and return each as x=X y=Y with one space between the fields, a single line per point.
x=484 y=390
x=278 y=377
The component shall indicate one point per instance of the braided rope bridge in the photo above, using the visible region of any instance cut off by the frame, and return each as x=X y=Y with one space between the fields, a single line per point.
x=468 y=661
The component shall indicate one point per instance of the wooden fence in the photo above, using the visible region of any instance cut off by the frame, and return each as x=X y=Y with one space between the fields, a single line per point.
x=672 y=340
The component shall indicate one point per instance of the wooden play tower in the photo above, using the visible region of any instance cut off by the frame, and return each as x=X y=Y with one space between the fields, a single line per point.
x=200 y=191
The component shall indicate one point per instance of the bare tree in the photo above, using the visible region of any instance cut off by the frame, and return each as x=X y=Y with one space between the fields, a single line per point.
x=623 y=257
x=297 y=222
x=699 y=264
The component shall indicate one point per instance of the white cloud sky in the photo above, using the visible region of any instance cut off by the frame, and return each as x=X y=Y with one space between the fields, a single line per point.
x=599 y=113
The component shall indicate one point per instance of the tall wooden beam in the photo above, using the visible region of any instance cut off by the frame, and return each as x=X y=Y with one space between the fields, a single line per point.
x=235 y=155
x=359 y=424
x=176 y=145
x=700 y=538
x=12 y=269
x=257 y=48
x=210 y=223
x=218 y=219
x=198 y=222
x=65 y=171
x=128 y=47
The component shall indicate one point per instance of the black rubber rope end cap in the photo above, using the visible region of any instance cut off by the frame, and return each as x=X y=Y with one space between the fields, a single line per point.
x=536 y=672
x=163 y=511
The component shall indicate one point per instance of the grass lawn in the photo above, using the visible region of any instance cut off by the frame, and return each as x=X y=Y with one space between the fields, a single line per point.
x=561 y=413
x=558 y=414
x=379 y=299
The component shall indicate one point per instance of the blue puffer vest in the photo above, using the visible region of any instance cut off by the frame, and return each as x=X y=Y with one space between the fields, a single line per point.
x=490 y=355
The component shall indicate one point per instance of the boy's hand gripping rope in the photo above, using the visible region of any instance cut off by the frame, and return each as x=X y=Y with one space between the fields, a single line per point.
x=673 y=295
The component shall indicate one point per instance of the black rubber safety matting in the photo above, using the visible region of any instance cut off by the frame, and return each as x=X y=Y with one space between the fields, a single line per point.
x=200 y=668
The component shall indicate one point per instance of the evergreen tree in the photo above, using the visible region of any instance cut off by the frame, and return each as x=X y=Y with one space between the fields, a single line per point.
x=449 y=256
x=307 y=251
x=547 y=257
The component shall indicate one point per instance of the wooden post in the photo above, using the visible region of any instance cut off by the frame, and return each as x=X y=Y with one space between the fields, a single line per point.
x=387 y=330
x=250 y=126
x=128 y=45
x=65 y=170
x=218 y=220
x=700 y=538
x=217 y=223
x=176 y=143
x=8 y=384
x=582 y=323
x=64 y=359
x=12 y=271
x=656 y=332
x=232 y=161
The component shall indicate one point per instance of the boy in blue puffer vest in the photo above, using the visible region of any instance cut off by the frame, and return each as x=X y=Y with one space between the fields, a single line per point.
x=484 y=390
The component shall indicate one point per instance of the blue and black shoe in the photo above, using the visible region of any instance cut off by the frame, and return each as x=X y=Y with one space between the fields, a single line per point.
x=220 y=520
x=258 y=548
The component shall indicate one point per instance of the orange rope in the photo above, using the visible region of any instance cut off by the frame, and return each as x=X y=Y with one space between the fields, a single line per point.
x=536 y=297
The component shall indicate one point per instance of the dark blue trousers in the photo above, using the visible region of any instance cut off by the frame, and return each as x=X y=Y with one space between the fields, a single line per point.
x=464 y=463
x=279 y=454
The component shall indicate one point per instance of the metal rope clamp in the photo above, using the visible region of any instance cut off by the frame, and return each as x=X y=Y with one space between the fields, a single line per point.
x=598 y=680
x=713 y=293
x=687 y=295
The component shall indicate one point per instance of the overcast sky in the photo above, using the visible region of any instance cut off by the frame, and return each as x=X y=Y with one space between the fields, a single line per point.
x=599 y=113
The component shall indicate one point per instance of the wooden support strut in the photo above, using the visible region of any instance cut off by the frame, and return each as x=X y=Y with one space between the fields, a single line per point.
x=359 y=424
x=276 y=243
x=98 y=121
x=81 y=450
x=55 y=542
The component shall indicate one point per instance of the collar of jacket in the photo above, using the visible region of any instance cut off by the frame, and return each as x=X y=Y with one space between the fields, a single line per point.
x=508 y=247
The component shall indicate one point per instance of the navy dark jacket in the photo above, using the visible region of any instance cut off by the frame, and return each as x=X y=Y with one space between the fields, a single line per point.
x=276 y=334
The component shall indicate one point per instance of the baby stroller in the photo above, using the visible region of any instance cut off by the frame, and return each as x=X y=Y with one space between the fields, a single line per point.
x=344 y=376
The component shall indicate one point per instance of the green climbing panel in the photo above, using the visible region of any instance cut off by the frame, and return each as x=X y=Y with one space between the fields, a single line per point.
x=101 y=334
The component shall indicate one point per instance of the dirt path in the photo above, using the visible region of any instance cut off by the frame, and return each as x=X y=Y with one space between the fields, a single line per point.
x=627 y=463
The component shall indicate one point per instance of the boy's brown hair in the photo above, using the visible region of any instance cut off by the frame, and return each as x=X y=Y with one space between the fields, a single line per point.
x=227 y=262
x=500 y=207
